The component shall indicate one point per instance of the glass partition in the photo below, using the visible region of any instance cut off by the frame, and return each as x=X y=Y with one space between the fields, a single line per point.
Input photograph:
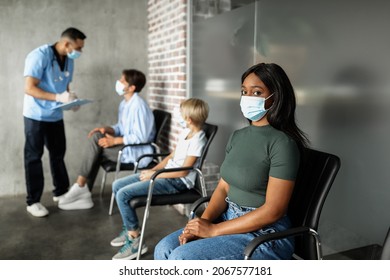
x=336 y=55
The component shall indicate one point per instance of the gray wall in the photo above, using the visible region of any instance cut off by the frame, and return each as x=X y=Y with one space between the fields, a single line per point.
x=336 y=55
x=116 y=39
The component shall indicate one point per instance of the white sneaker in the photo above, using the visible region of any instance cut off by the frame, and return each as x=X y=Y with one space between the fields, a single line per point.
x=57 y=198
x=75 y=193
x=76 y=198
x=37 y=210
x=83 y=203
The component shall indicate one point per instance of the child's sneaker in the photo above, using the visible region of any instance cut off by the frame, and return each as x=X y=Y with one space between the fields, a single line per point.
x=130 y=250
x=120 y=240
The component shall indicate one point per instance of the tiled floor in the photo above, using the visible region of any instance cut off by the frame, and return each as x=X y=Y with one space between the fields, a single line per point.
x=73 y=235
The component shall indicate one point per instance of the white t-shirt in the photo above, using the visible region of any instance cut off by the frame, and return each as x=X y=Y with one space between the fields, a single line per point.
x=188 y=147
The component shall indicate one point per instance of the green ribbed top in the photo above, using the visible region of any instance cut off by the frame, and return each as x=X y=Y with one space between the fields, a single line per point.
x=252 y=155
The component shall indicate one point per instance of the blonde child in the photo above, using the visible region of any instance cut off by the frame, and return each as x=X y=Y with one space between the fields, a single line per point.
x=191 y=141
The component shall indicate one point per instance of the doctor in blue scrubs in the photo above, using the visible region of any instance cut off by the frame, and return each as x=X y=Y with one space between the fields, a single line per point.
x=48 y=72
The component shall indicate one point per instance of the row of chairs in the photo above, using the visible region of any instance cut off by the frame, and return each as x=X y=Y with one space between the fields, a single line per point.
x=315 y=177
x=161 y=120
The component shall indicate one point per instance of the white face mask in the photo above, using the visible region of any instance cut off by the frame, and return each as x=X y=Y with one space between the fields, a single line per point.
x=182 y=122
x=120 y=88
x=179 y=118
x=253 y=107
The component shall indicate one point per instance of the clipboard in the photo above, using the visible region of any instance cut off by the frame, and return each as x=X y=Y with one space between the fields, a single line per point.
x=73 y=103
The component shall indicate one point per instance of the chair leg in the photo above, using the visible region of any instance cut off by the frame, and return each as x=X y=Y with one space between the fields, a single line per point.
x=146 y=216
x=141 y=240
x=111 y=204
x=103 y=183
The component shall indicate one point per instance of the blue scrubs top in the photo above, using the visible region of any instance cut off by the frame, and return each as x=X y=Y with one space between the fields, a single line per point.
x=42 y=64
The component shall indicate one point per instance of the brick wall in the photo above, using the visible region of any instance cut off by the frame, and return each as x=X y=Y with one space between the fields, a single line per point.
x=167 y=56
x=167 y=72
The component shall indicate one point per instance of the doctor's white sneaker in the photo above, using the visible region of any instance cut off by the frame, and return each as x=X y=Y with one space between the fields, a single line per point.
x=37 y=210
x=76 y=198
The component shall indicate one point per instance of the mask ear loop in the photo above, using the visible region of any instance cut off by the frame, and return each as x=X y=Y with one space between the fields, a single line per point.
x=265 y=99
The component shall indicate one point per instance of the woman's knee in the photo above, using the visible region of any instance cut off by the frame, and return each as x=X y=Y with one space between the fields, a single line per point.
x=160 y=251
x=165 y=251
x=166 y=246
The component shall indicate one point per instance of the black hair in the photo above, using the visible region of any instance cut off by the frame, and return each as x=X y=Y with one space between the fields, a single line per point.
x=281 y=115
x=73 y=33
x=135 y=78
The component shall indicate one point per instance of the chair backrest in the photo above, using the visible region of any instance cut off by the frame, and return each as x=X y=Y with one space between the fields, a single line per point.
x=161 y=119
x=315 y=177
x=188 y=196
x=210 y=130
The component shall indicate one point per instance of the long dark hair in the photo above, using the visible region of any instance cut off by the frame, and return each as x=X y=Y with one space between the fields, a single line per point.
x=281 y=115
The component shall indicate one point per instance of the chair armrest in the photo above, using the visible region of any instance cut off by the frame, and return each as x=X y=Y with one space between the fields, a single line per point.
x=135 y=145
x=189 y=168
x=166 y=170
x=152 y=155
x=155 y=156
x=251 y=247
x=197 y=204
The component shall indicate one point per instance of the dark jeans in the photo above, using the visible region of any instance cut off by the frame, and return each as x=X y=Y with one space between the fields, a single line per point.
x=51 y=135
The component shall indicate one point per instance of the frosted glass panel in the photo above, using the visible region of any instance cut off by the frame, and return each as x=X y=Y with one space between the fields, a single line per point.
x=337 y=56
x=222 y=51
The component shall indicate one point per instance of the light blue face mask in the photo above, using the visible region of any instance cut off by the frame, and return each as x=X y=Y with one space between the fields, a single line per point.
x=253 y=107
x=74 y=54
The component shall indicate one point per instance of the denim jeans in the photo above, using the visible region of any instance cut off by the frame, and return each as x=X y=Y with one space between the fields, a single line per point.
x=131 y=186
x=227 y=247
x=38 y=135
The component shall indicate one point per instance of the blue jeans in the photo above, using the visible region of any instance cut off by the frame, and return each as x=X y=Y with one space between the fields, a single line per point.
x=125 y=189
x=227 y=247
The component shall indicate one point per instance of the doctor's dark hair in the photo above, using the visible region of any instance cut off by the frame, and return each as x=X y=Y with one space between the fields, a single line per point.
x=74 y=34
x=281 y=114
x=135 y=78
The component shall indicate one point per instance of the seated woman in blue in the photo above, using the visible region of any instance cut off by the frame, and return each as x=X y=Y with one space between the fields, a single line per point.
x=257 y=178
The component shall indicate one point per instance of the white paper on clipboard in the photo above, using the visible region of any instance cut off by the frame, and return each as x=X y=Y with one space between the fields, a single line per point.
x=70 y=105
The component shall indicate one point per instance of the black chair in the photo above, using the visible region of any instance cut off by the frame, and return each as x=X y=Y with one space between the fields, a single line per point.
x=385 y=255
x=161 y=119
x=189 y=196
x=315 y=177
